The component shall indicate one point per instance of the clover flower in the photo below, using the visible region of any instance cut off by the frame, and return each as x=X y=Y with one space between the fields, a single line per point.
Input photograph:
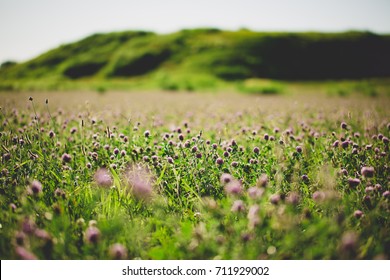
x=226 y=178
x=140 y=182
x=234 y=187
x=358 y=214
x=353 y=182
x=253 y=215
x=368 y=171
x=219 y=161
x=103 y=177
x=238 y=206
x=92 y=235
x=24 y=254
x=66 y=158
x=255 y=192
x=117 y=251
x=36 y=187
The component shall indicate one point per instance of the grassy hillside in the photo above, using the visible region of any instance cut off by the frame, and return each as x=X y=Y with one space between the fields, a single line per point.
x=200 y=59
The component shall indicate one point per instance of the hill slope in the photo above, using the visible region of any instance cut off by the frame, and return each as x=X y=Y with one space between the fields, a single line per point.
x=208 y=55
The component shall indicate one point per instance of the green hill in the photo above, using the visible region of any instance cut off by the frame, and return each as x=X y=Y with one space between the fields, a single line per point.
x=200 y=58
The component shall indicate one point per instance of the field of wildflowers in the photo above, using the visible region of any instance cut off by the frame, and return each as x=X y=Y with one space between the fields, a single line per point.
x=194 y=176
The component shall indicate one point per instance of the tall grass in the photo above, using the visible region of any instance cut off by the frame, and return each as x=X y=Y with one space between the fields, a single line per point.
x=194 y=176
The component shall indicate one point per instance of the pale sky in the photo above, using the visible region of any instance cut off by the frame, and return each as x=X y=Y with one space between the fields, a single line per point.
x=31 y=27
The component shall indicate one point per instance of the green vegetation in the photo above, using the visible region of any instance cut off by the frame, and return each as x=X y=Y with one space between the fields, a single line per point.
x=260 y=86
x=200 y=59
x=288 y=170
x=194 y=176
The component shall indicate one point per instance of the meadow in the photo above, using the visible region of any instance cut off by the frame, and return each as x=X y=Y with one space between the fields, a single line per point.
x=187 y=175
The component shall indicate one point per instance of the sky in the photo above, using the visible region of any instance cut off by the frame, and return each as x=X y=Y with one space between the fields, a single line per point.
x=31 y=27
